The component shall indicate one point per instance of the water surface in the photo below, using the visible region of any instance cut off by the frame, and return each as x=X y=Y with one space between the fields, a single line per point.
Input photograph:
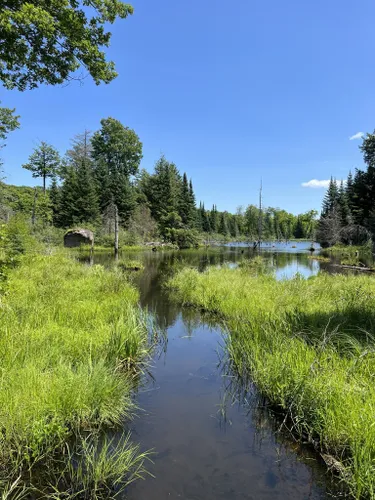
x=212 y=438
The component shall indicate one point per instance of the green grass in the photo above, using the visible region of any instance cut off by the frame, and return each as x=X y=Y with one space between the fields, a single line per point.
x=72 y=342
x=305 y=344
x=349 y=250
x=130 y=265
x=320 y=258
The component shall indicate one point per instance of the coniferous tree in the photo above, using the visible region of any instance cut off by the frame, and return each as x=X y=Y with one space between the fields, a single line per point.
x=68 y=214
x=184 y=206
x=331 y=198
x=192 y=205
x=343 y=205
x=79 y=158
x=54 y=196
x=223 y=225
x=206 y=225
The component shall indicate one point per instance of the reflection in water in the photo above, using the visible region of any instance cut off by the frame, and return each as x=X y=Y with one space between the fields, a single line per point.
x=214 y=439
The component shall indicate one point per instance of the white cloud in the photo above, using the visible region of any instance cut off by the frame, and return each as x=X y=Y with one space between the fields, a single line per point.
x=314 y=183
x=356 y=136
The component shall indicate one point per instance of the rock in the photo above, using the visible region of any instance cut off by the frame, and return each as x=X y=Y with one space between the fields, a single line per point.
x=77 y=237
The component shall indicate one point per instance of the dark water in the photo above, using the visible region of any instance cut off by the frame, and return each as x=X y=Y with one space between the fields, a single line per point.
x=212 y=439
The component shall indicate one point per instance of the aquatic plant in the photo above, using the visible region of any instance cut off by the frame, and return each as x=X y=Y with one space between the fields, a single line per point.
x=305 y=343
x=130 y=265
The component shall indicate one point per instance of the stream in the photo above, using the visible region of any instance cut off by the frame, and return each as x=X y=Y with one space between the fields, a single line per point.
x=213 y=439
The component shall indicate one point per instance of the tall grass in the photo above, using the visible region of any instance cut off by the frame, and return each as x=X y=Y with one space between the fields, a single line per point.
x=306 y=345
x=71 y=342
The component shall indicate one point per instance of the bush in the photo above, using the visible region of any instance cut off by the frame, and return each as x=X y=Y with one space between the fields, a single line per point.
x=184 y=238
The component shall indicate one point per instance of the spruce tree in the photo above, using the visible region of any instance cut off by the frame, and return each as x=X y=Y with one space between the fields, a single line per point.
x=69 y=214
x=223 y=225
x=331 y=198
x=54 y=196
x=184 y=208
x=343 y=205
x=192 y=205
x=206 y=226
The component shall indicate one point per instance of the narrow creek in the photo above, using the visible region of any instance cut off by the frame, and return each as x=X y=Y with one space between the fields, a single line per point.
x=213 y=440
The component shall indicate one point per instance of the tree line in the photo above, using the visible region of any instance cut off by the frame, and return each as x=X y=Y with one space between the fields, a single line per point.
x=348 y=209
x=102 y=170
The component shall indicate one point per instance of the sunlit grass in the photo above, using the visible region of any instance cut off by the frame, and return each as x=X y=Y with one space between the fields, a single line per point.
x=307 y=346
x=71 y=342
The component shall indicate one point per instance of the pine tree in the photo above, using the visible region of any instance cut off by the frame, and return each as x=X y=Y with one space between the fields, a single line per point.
x=54 y=195
x=223 y=225
x=184 y=208
x=343 y=205
x=199 y=218
x=192 y=205
x=206 y=226
x=81 y=186
x=87 y=200
x=331 y=198
x=68 y=214
x=214 y=219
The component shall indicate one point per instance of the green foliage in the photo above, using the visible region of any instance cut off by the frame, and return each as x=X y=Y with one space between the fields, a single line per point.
x=305 y=345
x=184 y=238
x=44 y=162
x=117 y=152
x=8 y=122
x=69 y=355
x=77 y=201
x=44 y=42
x=130 y=265
x=99 y=468
x=348 y=211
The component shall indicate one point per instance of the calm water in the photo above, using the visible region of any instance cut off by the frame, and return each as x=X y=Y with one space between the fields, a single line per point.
x=212 y=439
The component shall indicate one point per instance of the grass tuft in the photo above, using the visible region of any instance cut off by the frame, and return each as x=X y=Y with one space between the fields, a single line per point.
x=72 y=339
x=305 y=343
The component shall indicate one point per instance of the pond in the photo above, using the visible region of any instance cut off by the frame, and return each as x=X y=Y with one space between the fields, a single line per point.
x=212 y=438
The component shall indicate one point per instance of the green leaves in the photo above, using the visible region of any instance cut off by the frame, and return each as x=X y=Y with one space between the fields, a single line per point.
x=8 y=122
x=44 y=162
x=44 y=42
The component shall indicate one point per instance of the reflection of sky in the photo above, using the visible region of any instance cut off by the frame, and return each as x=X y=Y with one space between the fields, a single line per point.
x=293 y=268
x=299 y=246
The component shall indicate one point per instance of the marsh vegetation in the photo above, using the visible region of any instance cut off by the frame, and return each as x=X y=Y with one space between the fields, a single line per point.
x=308 y=346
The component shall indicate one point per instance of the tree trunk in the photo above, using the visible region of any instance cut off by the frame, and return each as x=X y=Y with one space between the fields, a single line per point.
x=44 y=184
x=34 y=206
x=116 y=233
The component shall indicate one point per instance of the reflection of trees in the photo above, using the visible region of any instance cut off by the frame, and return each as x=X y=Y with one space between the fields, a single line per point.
x=160 y=266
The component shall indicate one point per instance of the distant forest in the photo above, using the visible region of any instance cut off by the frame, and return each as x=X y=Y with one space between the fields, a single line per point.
x=101 y=172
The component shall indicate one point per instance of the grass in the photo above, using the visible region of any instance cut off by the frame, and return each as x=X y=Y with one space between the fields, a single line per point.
x=305 y=344
x=72 y=342
x=130 y=265
x=320 y=258
x=349 y=250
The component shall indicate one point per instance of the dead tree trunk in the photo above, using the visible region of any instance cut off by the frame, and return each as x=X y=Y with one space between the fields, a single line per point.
x=116 y=232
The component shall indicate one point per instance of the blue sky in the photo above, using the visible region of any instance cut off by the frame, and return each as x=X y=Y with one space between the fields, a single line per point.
x=232 y=92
